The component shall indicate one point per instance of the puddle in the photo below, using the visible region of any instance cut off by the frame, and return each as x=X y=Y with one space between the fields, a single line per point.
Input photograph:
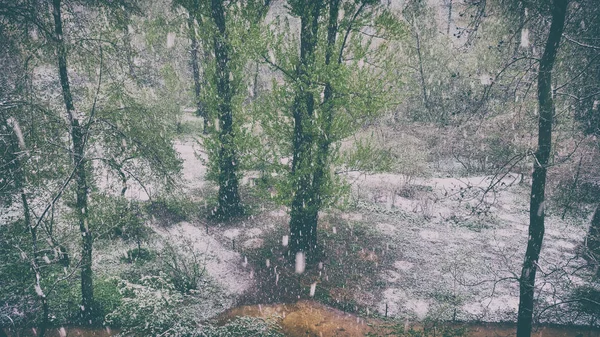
x=310 y=318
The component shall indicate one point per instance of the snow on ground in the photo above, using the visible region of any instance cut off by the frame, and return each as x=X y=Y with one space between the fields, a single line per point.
x=224 y=265
x=455 y=263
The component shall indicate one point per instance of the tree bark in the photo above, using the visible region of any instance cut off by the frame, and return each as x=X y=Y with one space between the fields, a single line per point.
x=229 y=200
x=304 y=210
x=324 y=140
x=538 y=184
x=421 y=71
x=449 y=17
x=78 y=135
x=593 y=236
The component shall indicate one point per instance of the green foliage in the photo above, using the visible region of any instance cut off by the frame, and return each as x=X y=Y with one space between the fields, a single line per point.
x=244 y=326
x=368 y=158
x=106 y=296
x=15 y=272
x=171 y=209
x=151 y=307
x=182 y=266
x=118 y=217
x=138 y=255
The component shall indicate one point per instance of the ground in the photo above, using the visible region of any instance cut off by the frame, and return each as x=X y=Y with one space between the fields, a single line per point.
x=437 y=247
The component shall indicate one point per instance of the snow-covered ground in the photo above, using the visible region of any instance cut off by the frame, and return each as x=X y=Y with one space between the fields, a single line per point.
x=453 y=262
x=458 y=264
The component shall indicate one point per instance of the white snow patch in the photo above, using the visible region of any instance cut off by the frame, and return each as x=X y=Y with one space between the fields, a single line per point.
x=231 y=233
x=253 y=243
x=419 y=307
x=430 y=235
x=403 y=265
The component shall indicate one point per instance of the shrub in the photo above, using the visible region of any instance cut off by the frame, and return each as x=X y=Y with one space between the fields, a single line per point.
x=138 y=255
x=106 y=296
x=151 y=308
x=171 y=210
x=182 y=266
x=118 y=217
x=586 y=300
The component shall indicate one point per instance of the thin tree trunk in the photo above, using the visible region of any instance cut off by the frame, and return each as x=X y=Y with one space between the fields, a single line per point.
x=449 y=17
x=593 y=236
x=421 y=71
x=79 y=162
x=567 y=205
x=229 y=200
x=200 y=111
x=538 y=184
x=15 y=148
x=304 y=213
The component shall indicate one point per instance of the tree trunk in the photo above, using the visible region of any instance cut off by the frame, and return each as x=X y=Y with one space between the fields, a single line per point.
x=229 y=200
x=200 y=111
x=78 y=145
x=538 y=184
x=449 y=17
x=421 y=71
x=593 y=236
x=324 y=140
x=304 y=209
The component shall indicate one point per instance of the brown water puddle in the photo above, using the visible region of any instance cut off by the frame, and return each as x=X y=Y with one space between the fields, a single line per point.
x=310 y=318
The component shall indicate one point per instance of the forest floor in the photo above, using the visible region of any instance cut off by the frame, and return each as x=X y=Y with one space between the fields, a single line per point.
x=413 y=248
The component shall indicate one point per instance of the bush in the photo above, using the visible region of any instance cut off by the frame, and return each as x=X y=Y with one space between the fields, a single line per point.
x=151 y=308
x=106 y=296
x=118 y=217
x=182 y=267
x=138 y=255
x=586 y=300
x=171 y=210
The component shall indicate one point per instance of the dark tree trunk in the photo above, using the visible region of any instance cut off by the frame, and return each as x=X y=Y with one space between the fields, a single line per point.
x=78 y=142
x=304 y=208
x=229 y=199
x=324 y=140
x=593 y=236
x=538 y=184
x=200 y=111
x=449 y=17
x=422 y=73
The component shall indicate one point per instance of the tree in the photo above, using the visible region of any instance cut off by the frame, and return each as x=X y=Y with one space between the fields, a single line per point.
x=541 y=161
x=228 y=29
x=78 y=133
x=109 y=131
x=194 y=7
x=332 y=85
